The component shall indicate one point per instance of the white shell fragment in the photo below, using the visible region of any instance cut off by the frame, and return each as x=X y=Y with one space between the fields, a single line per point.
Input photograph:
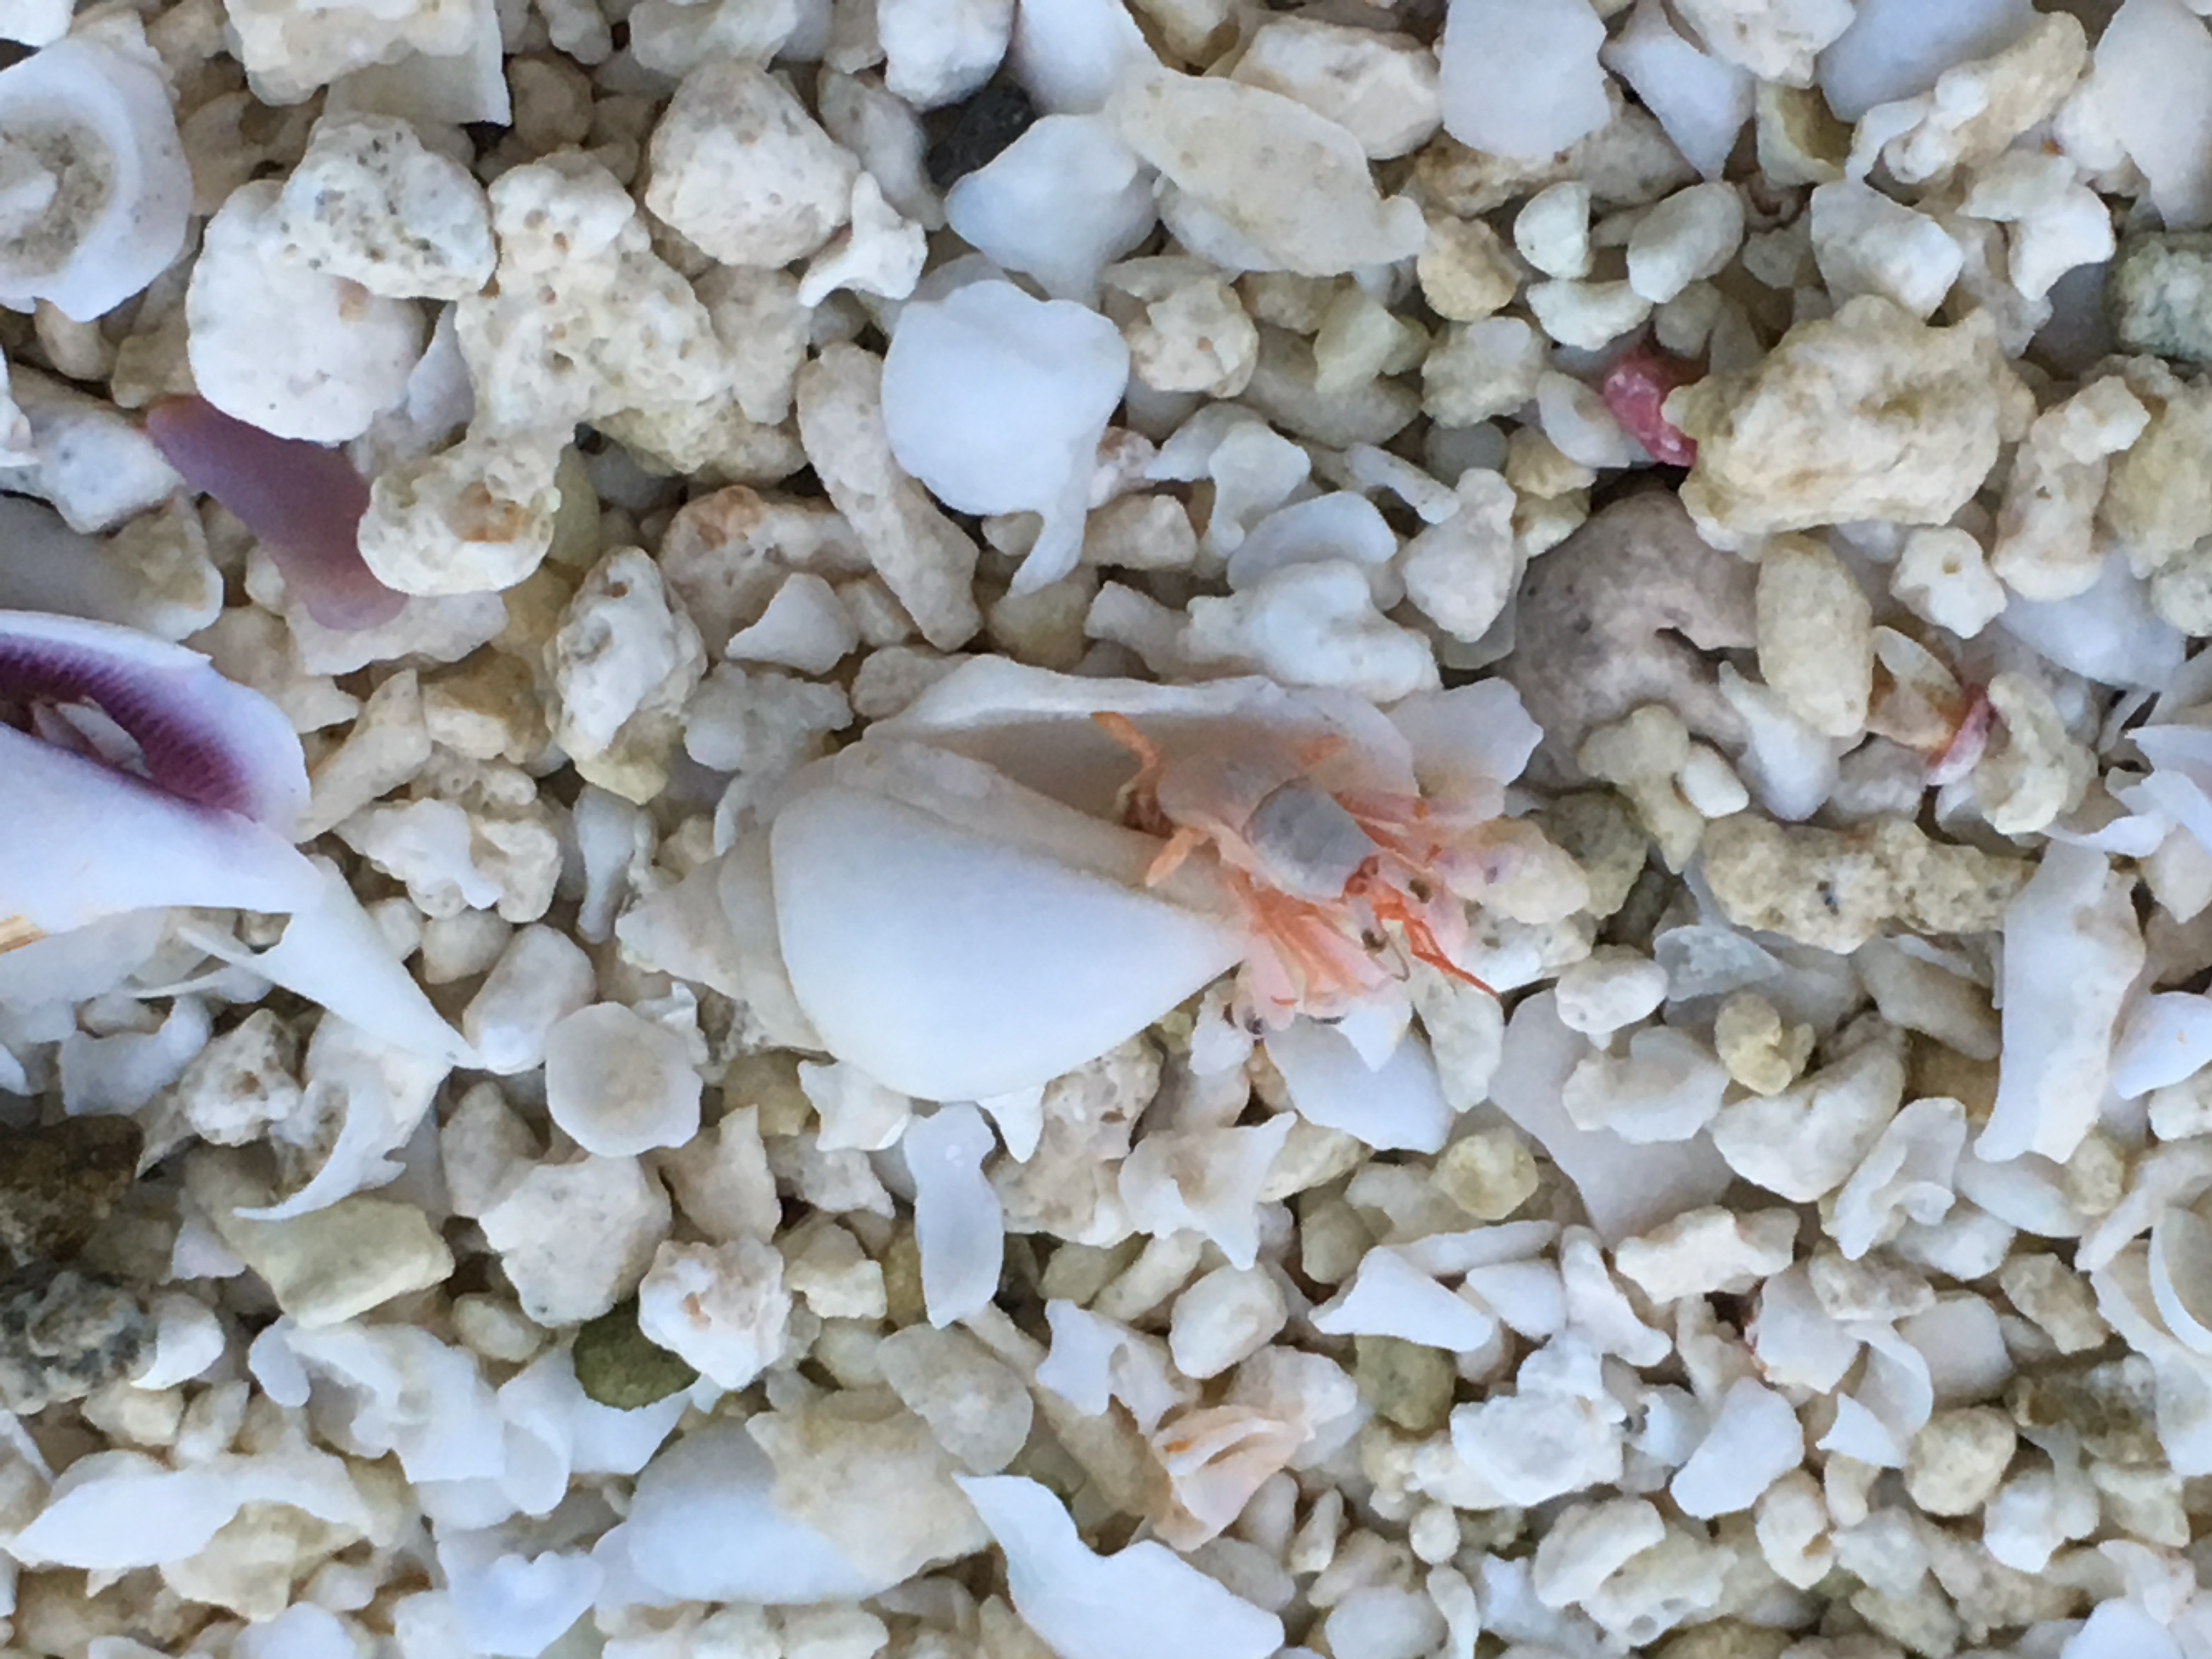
x=958 y=936
x=208 y=823
x=2071 y=946
x=618 y=1082
x=997 y=402
x=1143 y=1603
x=957 y=1226
x=1521 y=77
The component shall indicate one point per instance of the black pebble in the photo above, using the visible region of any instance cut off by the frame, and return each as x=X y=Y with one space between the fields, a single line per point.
x=979 y=129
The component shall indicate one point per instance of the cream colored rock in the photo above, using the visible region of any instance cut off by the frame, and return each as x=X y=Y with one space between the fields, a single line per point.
x=1465 y=270
x=1976 y=110
x=925 y=559
x=1958 y=1460
x=1587 y=315
x=1552 y=231
x=1816 y=636
x=1762 y=1051
x=1292 y=186
x=1837 y=889
x=1775 y=40
x=740 y=168
x=477 y=518
x=1380 y=87
x=290 y=49
x=1689 y=236
x=2046 y=546
x=2158 y=500
x=622 y=660
x=1866 y=243
x=1942 y=577
x=1459 y=574
x=371 y=203
x=2033 y=771
x=573 y=1239
x=720 y=1308
x=1480 y=369
x=1313 y=624
x=1708 y=1250
x=1868 y=415
x=583 y=321
x=1194 y=334
x=938 y=52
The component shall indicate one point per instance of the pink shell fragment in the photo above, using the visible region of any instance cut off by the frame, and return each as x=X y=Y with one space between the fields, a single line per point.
x=303 y=501
x=1636 y=389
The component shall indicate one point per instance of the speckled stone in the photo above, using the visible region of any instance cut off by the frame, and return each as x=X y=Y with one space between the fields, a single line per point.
x=2160 y=295
x=616 y=1365
x=1406 y=1384
x=58 y=1180
x=64 y=1333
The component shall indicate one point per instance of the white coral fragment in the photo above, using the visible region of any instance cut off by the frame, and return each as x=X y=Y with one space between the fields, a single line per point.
x=94 y=189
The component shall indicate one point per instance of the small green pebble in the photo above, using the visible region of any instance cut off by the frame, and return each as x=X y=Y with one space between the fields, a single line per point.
x=2160 y=295
x=1407 y=1383
x=617 y=1365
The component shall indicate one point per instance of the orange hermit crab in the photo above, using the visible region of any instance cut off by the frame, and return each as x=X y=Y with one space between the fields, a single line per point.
x=1337 y=888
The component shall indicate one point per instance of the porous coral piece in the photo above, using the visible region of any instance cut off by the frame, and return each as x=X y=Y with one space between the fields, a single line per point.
x=372 y=203
x=477 y=518
x=1835 y=890
x=583 y=320
x=2046 y=546
x=1976 y=110
x=1870 y=414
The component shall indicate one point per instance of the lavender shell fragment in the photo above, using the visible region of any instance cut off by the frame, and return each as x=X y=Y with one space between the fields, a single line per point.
x=304 y=501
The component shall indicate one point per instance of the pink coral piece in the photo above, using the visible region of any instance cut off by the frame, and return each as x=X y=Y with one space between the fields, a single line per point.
x=303 y=501
x=1635 y=390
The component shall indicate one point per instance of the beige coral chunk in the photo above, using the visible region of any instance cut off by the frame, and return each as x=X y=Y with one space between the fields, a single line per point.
x=1975 y=110
x=1816 y=636
x=1380 y=87
x=1465 y=269
x=740 y=168
x=2158 y=493
x=290 y=49
x=583 y=319
x=622 y=660
x=2047 y=545
x=2035 y=771
x=1293 y=184
x=475 y=518
x=1870 y=414
x=925 y=558
x=1837 y=889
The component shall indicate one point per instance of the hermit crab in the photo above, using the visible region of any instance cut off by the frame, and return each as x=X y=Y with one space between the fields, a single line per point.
x=1025 y=868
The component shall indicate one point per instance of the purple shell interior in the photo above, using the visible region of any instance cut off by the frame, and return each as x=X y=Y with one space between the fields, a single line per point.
x=303 y=501
x=184 y=756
